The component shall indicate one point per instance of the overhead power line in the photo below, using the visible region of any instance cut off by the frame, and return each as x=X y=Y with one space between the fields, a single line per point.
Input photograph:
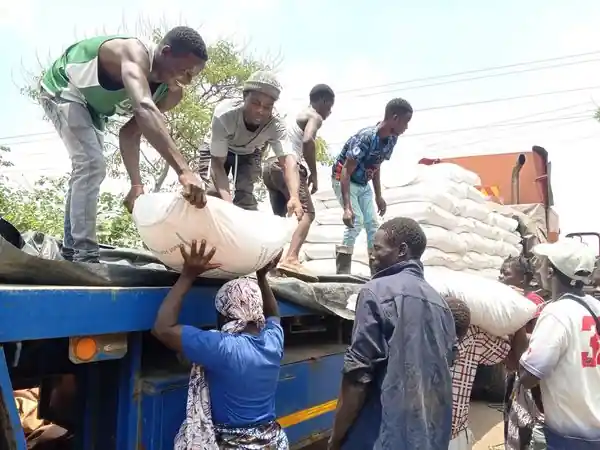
x=414 y=80
x=428 y=78
x=482 y=102
x=494 y=75
x=513 y=132
x=579 y=117
x=504 y=125
x=465 y=72
x=26 y=135
x=50 y=135
x=514 y=119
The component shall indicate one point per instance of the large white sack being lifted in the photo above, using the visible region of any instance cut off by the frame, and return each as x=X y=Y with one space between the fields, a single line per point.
x=495 y=307
x=245 y=240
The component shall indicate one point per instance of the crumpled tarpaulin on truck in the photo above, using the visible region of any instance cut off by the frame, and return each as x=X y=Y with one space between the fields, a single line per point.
x=39 y=263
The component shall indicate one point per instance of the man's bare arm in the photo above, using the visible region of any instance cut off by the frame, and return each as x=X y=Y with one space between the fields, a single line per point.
x=220 y=178
x=290 y=173
x=219 y=149
x=135 y=67
x=130 y=138
x=347 y=170
x=377 y=182
x=309 y=147
x=290 y=168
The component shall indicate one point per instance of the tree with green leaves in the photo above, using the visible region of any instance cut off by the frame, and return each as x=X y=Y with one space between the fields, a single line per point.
x=41 y=209
x=188 y=123
x=4 y=153
x=323 y=156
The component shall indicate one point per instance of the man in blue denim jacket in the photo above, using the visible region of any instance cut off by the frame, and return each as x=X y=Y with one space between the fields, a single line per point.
x=358 y=163
x=396 y=390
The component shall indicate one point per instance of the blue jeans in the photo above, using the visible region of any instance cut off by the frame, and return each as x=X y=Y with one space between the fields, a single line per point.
x=85 y=145
x=365 y=215
x=555 y=441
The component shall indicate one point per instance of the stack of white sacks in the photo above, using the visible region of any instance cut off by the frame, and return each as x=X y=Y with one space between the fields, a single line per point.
x=463 y=233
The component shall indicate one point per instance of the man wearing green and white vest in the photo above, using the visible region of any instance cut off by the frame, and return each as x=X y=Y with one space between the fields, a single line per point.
x=107 y=75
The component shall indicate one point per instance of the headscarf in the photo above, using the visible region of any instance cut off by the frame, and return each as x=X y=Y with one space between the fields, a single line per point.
x=240 y=301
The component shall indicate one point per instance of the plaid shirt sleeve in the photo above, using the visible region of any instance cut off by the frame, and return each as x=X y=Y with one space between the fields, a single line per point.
x=494 y=349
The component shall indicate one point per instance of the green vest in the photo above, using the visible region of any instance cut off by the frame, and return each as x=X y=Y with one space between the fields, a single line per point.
x=74 y=77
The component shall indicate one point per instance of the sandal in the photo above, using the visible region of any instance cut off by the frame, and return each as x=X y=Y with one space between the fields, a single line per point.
x=297 y=271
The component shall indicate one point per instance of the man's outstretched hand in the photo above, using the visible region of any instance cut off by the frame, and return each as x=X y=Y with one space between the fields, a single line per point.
x=313 y=183
x=132 y=196
x=193 y=189
x=348 y=217
x=294 y=207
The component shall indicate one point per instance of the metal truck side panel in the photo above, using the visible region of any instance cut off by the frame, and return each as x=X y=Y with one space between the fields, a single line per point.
x=45 y=313
x=305 y=403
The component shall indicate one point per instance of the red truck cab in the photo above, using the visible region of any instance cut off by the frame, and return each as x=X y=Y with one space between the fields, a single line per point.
x=520 y=179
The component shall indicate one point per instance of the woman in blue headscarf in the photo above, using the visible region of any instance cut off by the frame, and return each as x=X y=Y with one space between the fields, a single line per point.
x=231 y=396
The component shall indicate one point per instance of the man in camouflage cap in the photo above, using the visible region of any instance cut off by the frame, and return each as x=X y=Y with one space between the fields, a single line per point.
x=240 y=129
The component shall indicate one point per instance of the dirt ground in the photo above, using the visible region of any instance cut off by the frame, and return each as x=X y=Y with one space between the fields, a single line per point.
x=486 y=424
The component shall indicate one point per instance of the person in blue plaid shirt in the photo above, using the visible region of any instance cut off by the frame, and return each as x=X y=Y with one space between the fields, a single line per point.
x=358 y=163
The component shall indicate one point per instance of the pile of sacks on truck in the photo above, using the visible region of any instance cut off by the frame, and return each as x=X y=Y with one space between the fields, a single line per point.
x=463 y=231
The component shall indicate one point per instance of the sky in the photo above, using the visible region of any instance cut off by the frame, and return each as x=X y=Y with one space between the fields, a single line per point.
x=367 y=55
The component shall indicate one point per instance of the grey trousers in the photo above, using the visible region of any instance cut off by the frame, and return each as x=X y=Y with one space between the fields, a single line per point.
x=246 y=170
x=84 y=143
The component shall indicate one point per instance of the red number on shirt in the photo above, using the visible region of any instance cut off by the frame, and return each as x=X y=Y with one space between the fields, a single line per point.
x=592 y=357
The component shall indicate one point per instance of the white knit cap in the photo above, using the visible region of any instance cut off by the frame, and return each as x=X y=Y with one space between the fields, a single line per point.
x=265 y=82
x=572 y=257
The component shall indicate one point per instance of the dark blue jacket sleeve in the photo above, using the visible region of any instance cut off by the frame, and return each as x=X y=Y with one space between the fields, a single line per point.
x=369 y=346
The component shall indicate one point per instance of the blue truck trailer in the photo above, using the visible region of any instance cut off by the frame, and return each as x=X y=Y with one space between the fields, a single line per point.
x=104 y=378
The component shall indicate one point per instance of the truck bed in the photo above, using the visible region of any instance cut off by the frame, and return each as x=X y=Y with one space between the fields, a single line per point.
x=43 y=312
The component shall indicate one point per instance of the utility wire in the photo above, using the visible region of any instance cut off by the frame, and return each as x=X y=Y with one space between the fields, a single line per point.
x=429 y=78
x=52 y=134
x=532 y=122
x=482 y=102
x=19 y=136
x=466 y=72
x=513 y=119
x=497 y=137
x=457 y=130
x=442 y=83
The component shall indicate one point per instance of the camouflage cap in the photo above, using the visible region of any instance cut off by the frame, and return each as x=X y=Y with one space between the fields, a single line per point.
x=265 y=82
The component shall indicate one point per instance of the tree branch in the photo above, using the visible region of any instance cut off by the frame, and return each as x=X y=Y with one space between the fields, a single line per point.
x=162 y=176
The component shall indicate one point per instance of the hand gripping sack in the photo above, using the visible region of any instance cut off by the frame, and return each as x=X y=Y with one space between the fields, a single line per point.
x=495 y=307
x=245 y=240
